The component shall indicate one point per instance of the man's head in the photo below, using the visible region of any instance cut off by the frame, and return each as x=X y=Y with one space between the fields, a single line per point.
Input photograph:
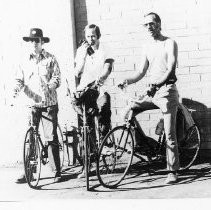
x=152 y=23
x=36 y=38
x=92 y=34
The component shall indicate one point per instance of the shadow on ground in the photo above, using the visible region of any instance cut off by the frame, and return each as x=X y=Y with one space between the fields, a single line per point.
x=140 y=176
x=146 y=176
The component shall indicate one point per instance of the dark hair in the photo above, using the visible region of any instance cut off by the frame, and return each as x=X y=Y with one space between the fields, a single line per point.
x=157 y=17
x=96 y=28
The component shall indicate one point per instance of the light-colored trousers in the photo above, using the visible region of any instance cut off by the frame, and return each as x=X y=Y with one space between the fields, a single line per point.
x=167 y=99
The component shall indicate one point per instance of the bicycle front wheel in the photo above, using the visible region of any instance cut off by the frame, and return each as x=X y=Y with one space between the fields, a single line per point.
x=32 y=158
x=86 y=157
x=115 y=156
x=189 y=147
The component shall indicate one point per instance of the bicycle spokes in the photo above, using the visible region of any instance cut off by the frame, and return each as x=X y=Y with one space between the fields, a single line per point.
x=189 y=147
x=32 y=158
x=115 y=156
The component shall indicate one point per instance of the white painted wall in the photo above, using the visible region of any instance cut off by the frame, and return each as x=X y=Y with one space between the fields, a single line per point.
x=56 y=18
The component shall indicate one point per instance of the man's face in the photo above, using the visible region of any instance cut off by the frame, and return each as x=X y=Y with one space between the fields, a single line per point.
x=152 y=27
x=91 y=36
x=36 y=45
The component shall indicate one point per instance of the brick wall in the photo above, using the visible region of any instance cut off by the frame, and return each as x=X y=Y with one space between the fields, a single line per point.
x=188 y=22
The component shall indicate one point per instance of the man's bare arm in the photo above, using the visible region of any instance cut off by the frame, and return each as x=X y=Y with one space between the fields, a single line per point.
x=107 y=68
x=142 y=70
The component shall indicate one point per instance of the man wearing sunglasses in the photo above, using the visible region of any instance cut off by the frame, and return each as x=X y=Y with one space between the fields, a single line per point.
x=39 y=76
x=158 y=61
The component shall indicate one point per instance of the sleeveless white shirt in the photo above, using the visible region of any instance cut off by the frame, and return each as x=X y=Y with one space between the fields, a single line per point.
x=157 y=57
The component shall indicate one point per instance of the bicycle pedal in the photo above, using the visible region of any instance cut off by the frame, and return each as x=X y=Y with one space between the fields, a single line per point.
x=44 y=162
x=44 y=154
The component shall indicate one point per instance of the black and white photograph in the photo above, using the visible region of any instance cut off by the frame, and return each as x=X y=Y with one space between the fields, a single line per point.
x=105 y=100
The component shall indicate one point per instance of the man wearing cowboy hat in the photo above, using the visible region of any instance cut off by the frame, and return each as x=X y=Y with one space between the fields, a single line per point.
x=39 y=76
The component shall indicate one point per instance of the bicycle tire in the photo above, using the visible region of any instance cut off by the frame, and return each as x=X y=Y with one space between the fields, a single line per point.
x=61 y=145
x=115 y=156
x=86 y=157
x=189 y=147
x=32 y=158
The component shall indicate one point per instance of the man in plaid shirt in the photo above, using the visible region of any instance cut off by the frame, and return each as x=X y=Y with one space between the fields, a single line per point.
x=39 y=76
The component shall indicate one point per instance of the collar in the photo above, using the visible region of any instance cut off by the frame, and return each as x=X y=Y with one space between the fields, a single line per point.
x=39 y=57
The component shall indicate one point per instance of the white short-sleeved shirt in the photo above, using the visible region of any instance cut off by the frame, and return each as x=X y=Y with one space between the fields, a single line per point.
x=93 y=66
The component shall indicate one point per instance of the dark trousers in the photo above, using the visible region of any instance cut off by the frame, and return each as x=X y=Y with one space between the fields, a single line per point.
x=104 y=116
x=95 y=105
x=50 y=132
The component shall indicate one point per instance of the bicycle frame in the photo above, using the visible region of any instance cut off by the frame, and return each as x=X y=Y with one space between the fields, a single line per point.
x=35 y=151
x=85 y=141
x=133 y=125
x=88 y=139
x=36 y=130
x=132 y=120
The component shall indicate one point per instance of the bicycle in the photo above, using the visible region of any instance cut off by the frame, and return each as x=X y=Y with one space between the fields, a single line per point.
x=35 y=152
x=90 y=137
x=117 y=149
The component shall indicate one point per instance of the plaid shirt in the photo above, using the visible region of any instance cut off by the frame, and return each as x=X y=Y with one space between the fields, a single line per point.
x=39 y=77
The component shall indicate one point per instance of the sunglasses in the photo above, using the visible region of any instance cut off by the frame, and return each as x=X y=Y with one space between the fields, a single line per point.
x=149 y=24
x=36 y=40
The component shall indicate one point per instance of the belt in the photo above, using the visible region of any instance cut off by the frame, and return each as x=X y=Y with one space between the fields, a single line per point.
x=167 y=83
x=170 y=82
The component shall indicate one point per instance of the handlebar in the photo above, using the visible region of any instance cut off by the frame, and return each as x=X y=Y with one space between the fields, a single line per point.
x=150 y=93
x=93 y=85
x=122 y=85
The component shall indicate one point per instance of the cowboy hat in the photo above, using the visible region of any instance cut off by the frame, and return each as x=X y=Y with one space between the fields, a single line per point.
x=36 y=34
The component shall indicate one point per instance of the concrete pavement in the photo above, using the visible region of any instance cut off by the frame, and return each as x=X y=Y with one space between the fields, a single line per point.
x=139 y=184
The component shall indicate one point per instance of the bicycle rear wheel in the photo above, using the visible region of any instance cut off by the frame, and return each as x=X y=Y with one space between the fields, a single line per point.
x=32 y=158
x=189 y=147
x=115 y=156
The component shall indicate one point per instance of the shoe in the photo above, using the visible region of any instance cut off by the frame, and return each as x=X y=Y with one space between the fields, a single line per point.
x=171 y=178
x=82 y=175
x=57 y=177
x=21 y=179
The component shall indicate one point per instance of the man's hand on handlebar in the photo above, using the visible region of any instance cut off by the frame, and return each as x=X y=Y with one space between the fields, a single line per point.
x=152 y=90
x=79 y=92
x=122 y=84
x=98 y=82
